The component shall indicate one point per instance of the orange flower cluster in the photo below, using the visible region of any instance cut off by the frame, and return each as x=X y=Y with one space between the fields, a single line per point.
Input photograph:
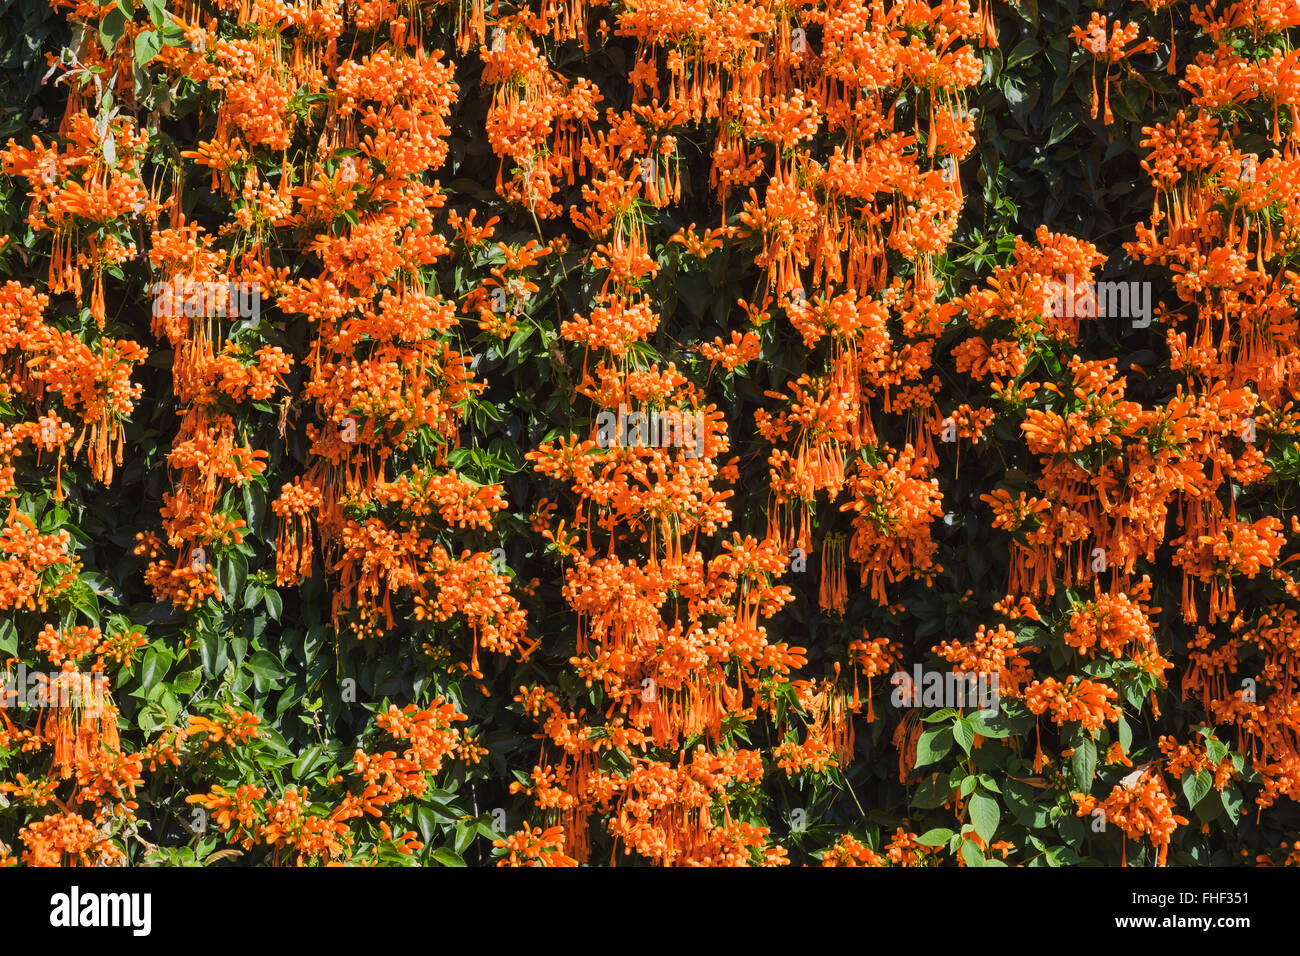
x=672 y=637
x=1141 y=806
x=381 y=377
x=73 y=722
x=1220 y=227
x=93 y=381
x=1078 y=700
x=36 y=567
x=535 y=847
x=298 y=828
x=1119 y=46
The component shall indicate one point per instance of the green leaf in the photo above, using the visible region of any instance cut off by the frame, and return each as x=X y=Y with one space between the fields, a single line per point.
x=153 y=667
x=212 y=653
x=274 y=604
x=992 y=727
x=1083 y=764
x=157 y=9
x=111 y=29
x=985 y=814
x=233 y=572
x=8 y=637
x=313 y=642
x=1072 y=830
x=1232 y=801
x=1196 y=786
x=971 y=853
x=426 y=819
x=1063 y=856
x=265 y=665
x=304 y=764
x=148 y=44
x=447 y=857
x=936 y=837
x=188 y=682
x=1022 y=51
x=464 y=837
x=939 y=715
x=173 y=34
x=1210 y=807
x=1063 y=126
x=933 y=745
x=963 y=734
x=518 y=339
x=933 y=792
x=1028 y=10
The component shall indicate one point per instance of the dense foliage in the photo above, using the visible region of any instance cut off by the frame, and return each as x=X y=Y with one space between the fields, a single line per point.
x=563 y=432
